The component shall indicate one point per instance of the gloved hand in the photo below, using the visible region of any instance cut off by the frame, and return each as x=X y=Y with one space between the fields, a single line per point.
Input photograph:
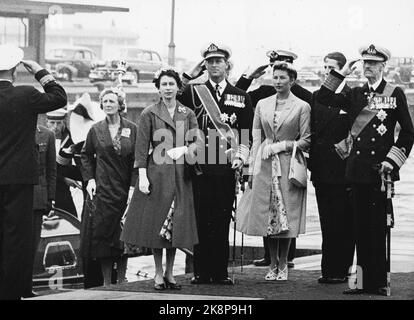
x=258 y=72
x=386 y=167
x=273 y=148
x=130 y=193
x=197 y=70
x=91 y=188
x=144 y=184
x=237 y=164
x=177 y=153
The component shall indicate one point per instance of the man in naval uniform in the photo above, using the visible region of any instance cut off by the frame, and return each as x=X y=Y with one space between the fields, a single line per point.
x=374 y=110
x=225 y=115
x=19 y=109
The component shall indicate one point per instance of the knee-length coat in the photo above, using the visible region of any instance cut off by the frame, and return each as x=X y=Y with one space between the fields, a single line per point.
x=294 y=124
x=169 y=180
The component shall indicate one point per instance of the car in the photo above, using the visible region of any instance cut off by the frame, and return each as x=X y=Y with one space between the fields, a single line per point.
x=141 y=65
x=68 y=63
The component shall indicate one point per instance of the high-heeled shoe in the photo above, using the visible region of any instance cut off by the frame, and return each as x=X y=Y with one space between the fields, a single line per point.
x=172 y=286
x=159 y=286
x=282 y=275
x=271 y=275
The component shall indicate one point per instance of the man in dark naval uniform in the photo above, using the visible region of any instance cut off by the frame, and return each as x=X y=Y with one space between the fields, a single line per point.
x=224 y=114
x=374 y=110
x=19 y=108
x=327 y=161
x=257 y=94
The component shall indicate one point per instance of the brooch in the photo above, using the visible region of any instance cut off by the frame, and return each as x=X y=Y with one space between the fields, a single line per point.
x=233 y=118
x=224 y=117
x=381 y=115
x=182 y=109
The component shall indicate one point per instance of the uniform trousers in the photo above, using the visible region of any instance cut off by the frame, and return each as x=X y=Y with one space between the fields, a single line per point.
x=64 y=199
x=214 y=198
x=335 y=215
x=370 y=234
x=16 y=213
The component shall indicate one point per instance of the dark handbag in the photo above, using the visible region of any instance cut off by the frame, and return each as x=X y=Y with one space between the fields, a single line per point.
x=88 y=211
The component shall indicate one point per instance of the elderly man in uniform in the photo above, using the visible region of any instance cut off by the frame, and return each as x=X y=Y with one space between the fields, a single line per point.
x=263 y=92
x=374 y=109
x=68 y=174
x=44 y=192
x=223 y=113
x=19 y=108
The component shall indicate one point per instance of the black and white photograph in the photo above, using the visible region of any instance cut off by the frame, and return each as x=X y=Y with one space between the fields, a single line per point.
x=206 y=157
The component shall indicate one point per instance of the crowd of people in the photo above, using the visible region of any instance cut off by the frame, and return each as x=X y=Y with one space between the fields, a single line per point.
x=170 y=180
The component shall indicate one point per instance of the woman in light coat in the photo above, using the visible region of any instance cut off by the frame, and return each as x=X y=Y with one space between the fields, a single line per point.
x=277 y=207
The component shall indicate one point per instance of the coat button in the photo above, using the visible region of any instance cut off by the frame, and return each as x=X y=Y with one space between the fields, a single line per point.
x=358 y=152
x=373 y=139
x=373 y=153
x=206 y=144
x=358 y=139
x=221 y=146
x=374 y=125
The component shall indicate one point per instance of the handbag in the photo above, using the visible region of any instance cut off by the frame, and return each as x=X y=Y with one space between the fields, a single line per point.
x=298 y=175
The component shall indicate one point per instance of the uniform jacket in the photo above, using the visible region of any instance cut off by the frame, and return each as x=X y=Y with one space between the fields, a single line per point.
x=370 y=148
x=19 y=107
x=44 y=192
x=244 y=119
x=329 y=125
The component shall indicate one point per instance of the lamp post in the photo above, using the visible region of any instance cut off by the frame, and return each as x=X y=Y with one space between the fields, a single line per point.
x=171 y=46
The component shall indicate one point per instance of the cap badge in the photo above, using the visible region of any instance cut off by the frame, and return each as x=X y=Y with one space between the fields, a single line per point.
x=272 y=54
x=371 y=49
x=212 y=48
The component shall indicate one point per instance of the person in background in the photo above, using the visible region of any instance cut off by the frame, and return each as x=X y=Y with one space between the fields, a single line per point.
x=44 y=192
x=19 y=109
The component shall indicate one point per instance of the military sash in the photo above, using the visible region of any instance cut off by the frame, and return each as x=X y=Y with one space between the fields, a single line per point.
x=375 y=104
x=213 y=112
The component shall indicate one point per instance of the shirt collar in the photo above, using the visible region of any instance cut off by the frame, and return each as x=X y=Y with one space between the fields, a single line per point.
x=375 y=85
x=222 y=84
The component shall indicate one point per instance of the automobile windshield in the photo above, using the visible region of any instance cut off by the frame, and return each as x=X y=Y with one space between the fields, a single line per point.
x=61 y=53
x=131 y=54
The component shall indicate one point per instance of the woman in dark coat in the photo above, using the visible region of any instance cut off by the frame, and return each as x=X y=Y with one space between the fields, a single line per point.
x=107 y=166
x=167 y=139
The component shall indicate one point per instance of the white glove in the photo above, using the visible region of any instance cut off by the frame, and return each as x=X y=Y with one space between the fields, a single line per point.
x=273 y=148
x=237 y=164
x=177 y=153
x=386 y=167
x=130 y=193
x=91 y=188
x=144 y=184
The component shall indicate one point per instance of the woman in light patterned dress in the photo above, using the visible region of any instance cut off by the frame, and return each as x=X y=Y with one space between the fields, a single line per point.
x=277 y=207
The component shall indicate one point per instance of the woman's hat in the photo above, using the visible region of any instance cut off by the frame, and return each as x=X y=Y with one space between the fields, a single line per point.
x=85 y=113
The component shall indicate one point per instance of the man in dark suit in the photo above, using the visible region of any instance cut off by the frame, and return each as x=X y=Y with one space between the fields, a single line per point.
x=43 y=193
x=330 y=128
x=225 y=115
x=19 y=107
x=374 y=110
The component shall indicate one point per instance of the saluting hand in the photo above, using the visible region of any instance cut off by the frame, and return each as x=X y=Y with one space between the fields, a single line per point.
x=349 y=67
x=32 y=66
x=258 y=72
x=197 y=70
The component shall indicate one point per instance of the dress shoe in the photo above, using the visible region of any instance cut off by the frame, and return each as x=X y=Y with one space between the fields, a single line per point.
x=354 y=291
x=171 y=285
x=200 y=280
x=159 y=286
x=290 y=264
x=331 y=280
x=31 y=294
x=225 y=281
x=261 y=263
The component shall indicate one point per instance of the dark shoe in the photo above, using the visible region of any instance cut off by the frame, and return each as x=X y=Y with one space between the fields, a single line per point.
x=31 y=295
x=172 y=286
x=225 y=281
x=379 y=291
x=354 y=291
x=329 y=280
x=159 y=286
x=261 y=263
x=290 y=264
x=199 y=280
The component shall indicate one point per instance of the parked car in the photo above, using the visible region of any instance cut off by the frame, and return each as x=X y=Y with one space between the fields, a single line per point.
x=67 y=63
x=141 y=66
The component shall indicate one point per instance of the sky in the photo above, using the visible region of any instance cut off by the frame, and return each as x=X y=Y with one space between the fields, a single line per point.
x=251 y=27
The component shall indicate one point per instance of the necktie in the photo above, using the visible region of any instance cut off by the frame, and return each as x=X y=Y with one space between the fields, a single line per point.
x=218 y=94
